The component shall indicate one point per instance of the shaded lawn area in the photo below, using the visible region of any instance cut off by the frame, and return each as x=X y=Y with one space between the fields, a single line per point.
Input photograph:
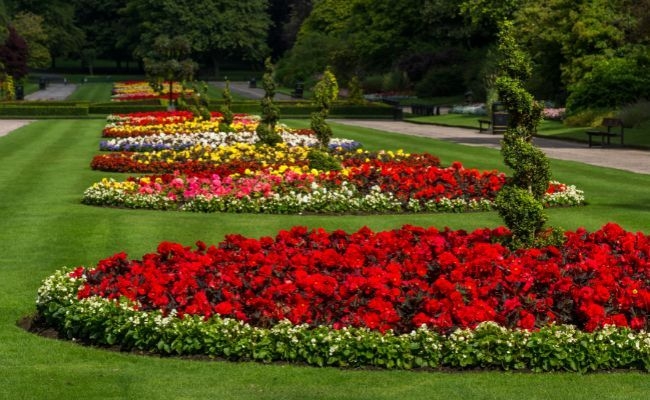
x=44 y=168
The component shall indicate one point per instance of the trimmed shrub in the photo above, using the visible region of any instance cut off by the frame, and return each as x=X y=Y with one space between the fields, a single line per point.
x=29 y=110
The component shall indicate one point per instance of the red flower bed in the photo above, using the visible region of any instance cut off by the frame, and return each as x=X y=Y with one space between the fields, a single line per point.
x=396 y=280
x=122 y=162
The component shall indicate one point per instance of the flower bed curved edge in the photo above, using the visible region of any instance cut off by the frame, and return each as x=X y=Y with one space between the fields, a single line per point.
x=552 y=348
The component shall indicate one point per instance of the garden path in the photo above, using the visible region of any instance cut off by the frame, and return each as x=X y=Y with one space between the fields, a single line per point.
x=633 y=160
x=243 y=89
x=53 y=91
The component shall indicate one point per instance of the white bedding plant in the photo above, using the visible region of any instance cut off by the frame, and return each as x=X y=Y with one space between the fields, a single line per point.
x=164 y=141
x=106 y=322
x=345 y=198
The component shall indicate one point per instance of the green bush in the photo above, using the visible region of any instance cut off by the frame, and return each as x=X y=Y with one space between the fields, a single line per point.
x=373 y=83
x=635 y=114
x=588 y=117
x=121 y=108
x=612 y=83
x=39 y=111
x=522 y=213
x=441 y=81
x=322 y=161
x=294 y=109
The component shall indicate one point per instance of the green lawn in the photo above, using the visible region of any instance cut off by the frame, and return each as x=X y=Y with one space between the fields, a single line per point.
x=44 y=169
x=634 y=137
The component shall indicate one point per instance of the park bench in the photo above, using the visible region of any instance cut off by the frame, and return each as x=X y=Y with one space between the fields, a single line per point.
x=425 y=109
x=298 y=91
x=485 y=122
x=613 y=126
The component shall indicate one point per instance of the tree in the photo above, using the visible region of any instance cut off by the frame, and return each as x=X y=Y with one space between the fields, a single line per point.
x=167 y=61
x=14 y=54
x=569 y=38
x=64 y=38
x=100 y=20
x=519 y=202
x=217 y=29
x=30 y=27
x=4 y=21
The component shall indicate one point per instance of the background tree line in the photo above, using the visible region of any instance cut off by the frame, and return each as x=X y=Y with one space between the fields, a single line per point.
x=583 y=51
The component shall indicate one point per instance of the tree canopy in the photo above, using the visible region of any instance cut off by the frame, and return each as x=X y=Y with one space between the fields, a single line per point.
x=429 y=47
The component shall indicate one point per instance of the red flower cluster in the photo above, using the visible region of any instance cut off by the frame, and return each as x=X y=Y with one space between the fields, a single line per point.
x=412 y=181
x=155 y=117
x=396 y=279
x=123 y=162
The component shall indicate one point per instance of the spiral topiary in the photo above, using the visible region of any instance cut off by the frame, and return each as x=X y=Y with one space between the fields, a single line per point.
x=325 y=92
x=520 y=201
x=270 y=112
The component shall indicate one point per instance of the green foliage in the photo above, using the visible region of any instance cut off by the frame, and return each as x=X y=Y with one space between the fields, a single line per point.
x=270 y=111
x=610 y=84
x=321 y=128
x=323 y=161
x=520 y=201
x=442 y=81
x=355 y=93
x=588 y=117
x=326 y=92
x=569 y=38
x=32 y=28
x=522 y=213
x=488 y=13
x=216 y=29
x=304 y=110
x=7 y=90
x=226 y=108
x=198 y=102
x=168 y=60
x=27 y=110
x=635 y=114
x=306 y=59
x=531 y=169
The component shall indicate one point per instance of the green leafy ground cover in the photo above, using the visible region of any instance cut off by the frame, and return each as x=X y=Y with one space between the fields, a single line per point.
x=44 y=169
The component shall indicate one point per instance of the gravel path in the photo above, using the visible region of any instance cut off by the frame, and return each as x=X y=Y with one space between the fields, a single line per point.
x=8 y=125
x=611 y=156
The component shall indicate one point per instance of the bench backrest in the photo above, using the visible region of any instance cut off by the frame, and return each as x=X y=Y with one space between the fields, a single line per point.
x=610 y=123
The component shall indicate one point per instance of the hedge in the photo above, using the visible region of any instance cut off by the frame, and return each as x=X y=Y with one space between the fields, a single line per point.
x=288 y=109
x=30 y=110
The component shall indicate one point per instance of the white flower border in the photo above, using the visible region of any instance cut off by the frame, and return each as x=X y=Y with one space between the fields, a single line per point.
x=344 y=199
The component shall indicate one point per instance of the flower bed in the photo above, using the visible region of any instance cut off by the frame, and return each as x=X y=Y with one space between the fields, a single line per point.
x=247 y=178
x=410 y=297
x=165 y=141
x=230 y=172
x=140 y=90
